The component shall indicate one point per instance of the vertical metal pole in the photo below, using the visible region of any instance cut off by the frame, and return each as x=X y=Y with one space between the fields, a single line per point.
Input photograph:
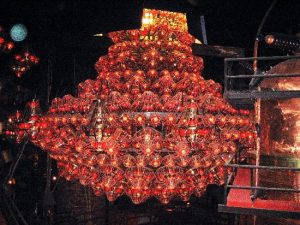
x=255 y=54
x=254 y=220
x=225 y=184
x=255 y=48
x=225 y=77
x=258 y=121
x=203 y=29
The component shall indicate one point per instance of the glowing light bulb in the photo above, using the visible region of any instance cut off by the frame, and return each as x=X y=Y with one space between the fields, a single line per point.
x=18 y=32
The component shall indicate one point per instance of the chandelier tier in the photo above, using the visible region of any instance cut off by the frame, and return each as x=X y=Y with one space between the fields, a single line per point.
x=149 y=125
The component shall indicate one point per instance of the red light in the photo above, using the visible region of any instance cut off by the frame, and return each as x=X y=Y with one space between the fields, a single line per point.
x=10 y=45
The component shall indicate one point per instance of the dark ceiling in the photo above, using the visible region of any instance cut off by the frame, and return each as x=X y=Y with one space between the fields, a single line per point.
x=61 y=31
x=62 y=22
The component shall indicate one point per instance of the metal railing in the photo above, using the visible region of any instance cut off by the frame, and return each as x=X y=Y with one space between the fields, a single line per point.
x=245 y=92
x=250 y=93
x=234 y=165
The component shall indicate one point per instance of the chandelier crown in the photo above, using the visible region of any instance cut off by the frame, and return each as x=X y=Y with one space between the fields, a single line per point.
x=158 y=26
x=170 y=20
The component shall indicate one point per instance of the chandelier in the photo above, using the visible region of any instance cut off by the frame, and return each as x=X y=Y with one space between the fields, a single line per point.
x=149 y=125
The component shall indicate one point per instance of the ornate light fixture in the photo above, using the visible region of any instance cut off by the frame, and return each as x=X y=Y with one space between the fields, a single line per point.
x=5 y=45
x=23 y=62
x=149 y=125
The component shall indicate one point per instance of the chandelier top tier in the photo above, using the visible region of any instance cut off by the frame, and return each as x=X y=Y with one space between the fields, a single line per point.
x=157 y=25
x=150 y=125
x=171 y=20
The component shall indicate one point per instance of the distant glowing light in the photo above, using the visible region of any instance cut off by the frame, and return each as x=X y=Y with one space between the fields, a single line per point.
x=18 y=32
x=147 y=19
x=11 y=181
x=169 y=210
x=98 y=35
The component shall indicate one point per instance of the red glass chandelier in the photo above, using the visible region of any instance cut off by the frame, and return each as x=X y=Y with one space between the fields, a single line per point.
x=149 y=125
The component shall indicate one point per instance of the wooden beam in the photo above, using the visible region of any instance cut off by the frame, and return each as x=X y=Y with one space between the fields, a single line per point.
x=217 y=51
